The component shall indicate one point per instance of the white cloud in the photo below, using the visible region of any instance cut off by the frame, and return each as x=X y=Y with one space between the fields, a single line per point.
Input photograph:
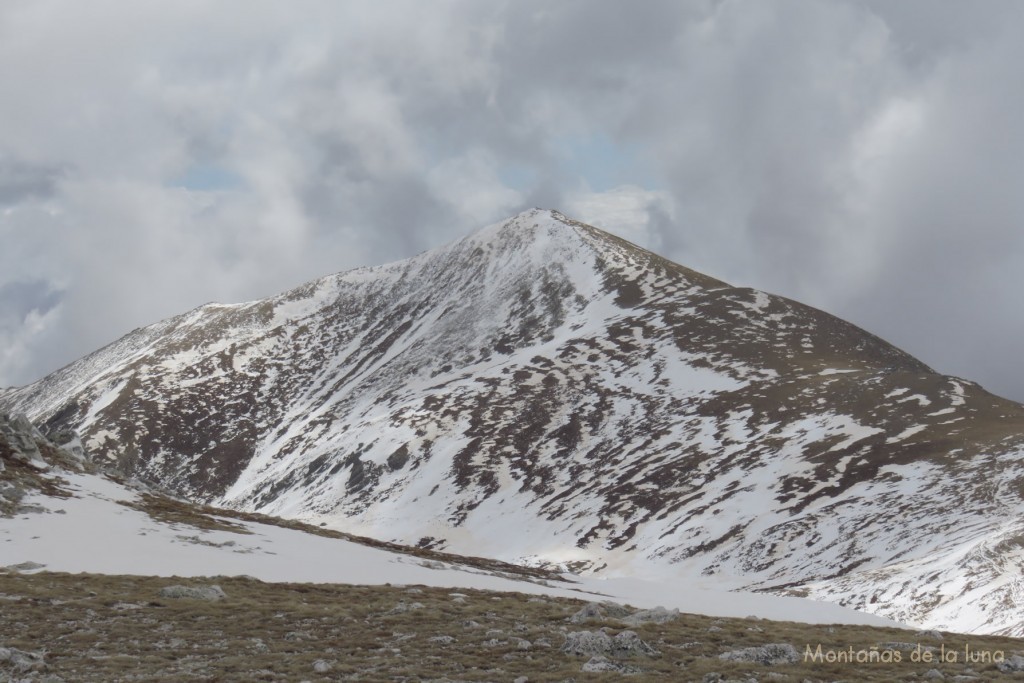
x=19 y=343
x=863 y=156
x=625 y=211
x=470 y=184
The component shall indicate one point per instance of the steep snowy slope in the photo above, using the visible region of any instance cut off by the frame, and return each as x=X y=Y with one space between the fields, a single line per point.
x=74 y=521
x=544 y=392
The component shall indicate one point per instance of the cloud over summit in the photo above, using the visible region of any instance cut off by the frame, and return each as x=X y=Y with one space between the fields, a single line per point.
x=864 y=157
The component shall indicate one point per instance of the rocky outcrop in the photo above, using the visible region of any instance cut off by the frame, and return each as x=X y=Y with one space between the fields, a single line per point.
x=599 y=611
x=20 y=442
x=610 y=611
x=626 y=644
x=29 y=462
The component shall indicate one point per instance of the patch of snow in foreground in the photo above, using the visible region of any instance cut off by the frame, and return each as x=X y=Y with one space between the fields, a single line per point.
x=96 y=534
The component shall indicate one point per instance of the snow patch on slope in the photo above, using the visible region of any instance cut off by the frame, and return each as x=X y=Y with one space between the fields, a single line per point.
x=92 y=532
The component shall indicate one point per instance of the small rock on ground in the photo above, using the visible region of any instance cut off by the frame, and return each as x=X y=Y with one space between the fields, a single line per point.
x=599 y=664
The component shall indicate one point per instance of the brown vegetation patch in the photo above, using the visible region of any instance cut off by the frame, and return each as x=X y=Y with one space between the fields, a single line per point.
x=107 y=628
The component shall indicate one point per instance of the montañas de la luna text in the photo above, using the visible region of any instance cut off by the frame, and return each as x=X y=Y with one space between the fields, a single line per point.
x=889 y=655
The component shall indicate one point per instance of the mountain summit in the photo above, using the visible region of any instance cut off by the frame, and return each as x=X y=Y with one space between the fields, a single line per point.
x=546 y=393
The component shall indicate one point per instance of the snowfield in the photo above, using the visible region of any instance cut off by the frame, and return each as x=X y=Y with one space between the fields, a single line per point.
x=92 y=532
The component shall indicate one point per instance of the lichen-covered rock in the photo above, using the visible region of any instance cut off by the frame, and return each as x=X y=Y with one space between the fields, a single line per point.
x=402 y=607
x=600 y=664
x=1012 y=664
x=21 y=439
x=70 y=442
x=769 y=655
x=658 y=615
x=193 y=592
x=599 y=611
x=629 y=644
x=592 y=643
x=20 y=661
x=587 y=643
x=27 y=459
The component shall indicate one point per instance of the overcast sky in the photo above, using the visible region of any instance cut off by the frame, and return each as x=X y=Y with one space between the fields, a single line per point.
x=864 y=157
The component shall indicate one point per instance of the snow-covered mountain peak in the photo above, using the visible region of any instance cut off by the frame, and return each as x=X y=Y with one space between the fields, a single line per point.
x=541 y=391
x=520 y=230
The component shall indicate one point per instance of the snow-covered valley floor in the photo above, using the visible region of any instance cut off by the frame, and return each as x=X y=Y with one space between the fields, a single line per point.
x=93 y=532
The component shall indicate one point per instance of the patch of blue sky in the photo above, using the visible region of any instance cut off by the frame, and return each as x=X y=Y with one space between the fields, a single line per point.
x=203 y=177
x=604 y=163
x=517 y=176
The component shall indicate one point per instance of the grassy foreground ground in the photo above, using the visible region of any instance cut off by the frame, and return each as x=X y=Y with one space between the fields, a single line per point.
x=62 y=627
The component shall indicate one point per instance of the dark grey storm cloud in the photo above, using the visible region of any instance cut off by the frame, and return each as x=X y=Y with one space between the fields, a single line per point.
x=20 y=181
x=862 y=156
x=22 y=298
